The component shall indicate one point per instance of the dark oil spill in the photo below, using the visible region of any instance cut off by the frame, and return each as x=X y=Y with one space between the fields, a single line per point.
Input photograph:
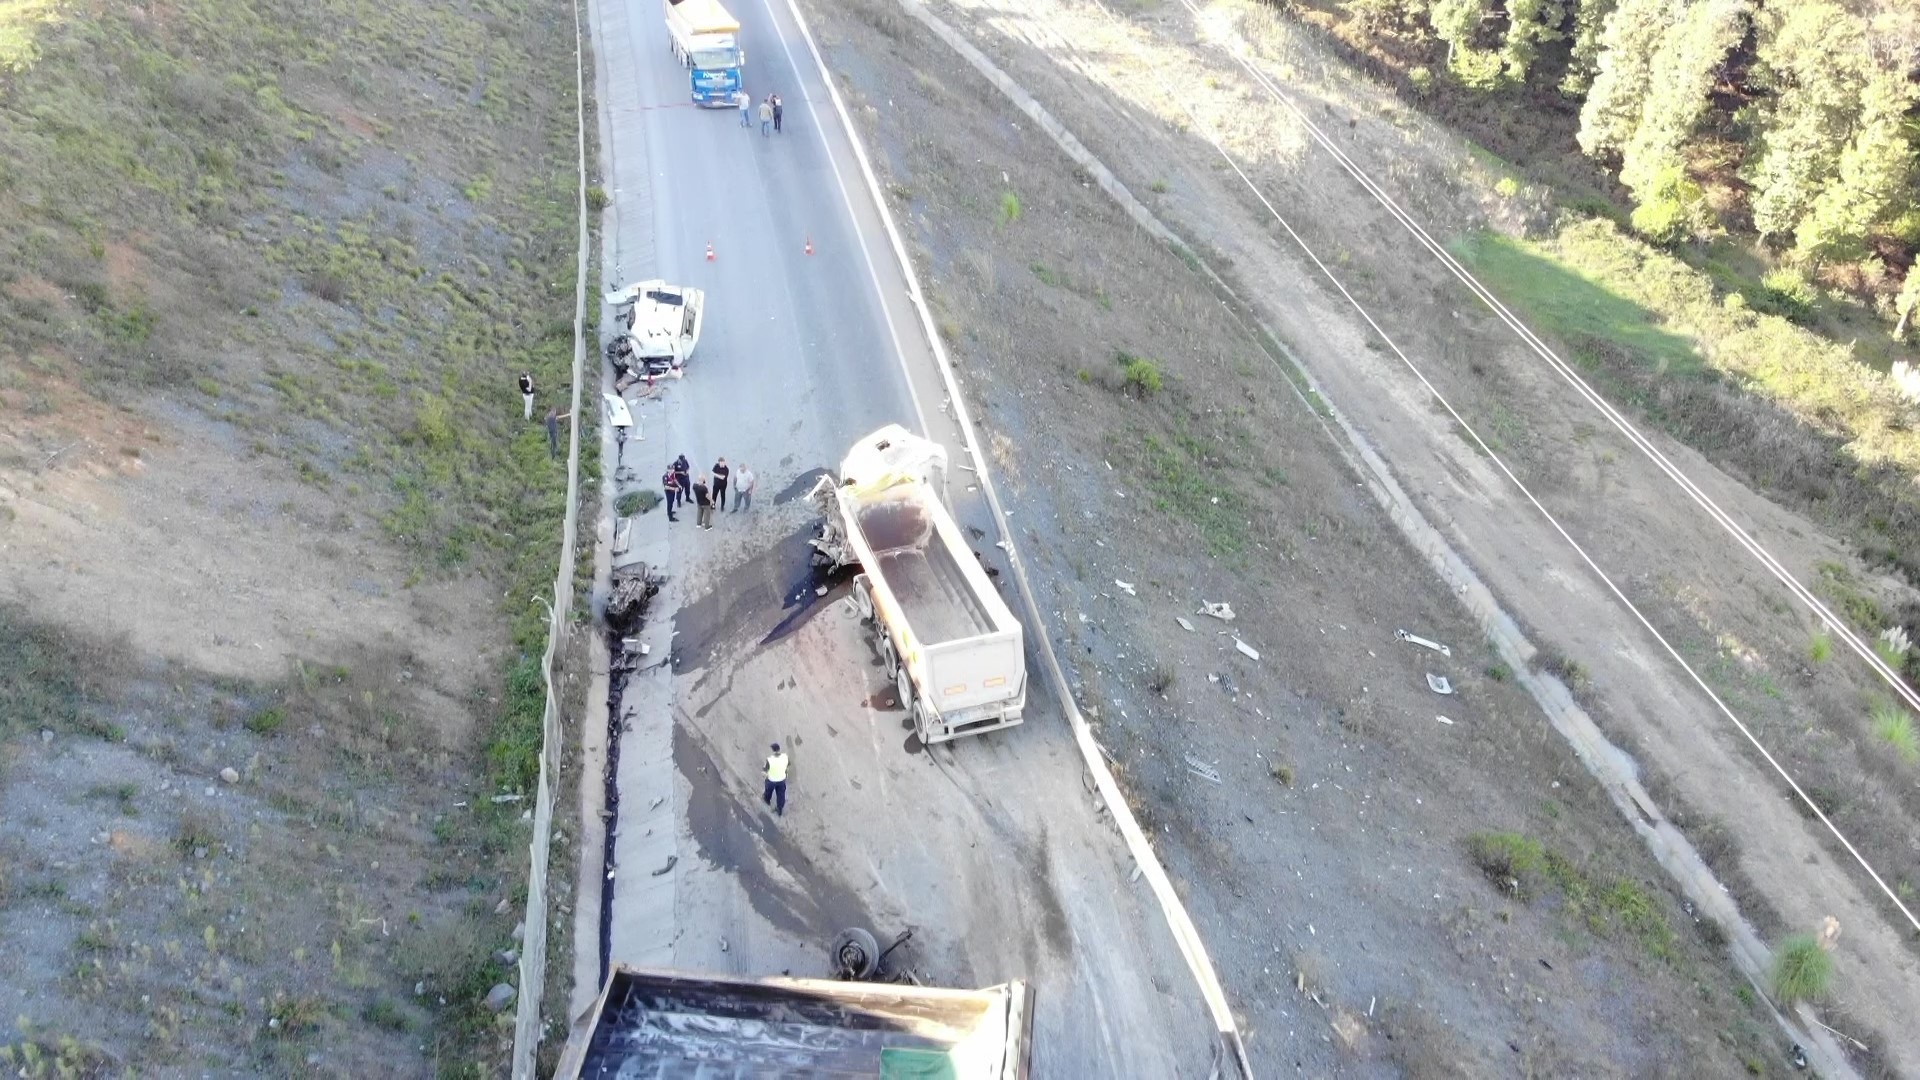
x=735 y=834
x=749 y=596
x=800 y=486
x=913 y=745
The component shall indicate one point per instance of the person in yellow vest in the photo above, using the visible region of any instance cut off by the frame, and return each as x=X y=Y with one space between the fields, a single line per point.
x=776 y=793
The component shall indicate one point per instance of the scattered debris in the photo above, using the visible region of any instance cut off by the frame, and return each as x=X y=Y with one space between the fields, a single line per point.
x=820 y=590
x=507 y=798
x=723 y=944
x=1438 y=684
x=1125 y=586
x=1349 y=1030
x=671 y=860
x=1246 y=650
x=1424 y=643
x=1222 y=611
x=503 y=906
x=1135 y=876
x=1444 y=720
x=1184 y=624
x=46 y=735
x=1201 y=769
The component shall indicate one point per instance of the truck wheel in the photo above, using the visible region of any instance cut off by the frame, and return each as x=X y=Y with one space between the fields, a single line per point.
x=903 y=685
x=889 y=660
x=855 y=954
x=921 y=722
x=863 y=599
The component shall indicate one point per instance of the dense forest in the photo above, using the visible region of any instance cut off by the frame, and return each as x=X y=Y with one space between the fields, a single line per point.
x=1790 y=123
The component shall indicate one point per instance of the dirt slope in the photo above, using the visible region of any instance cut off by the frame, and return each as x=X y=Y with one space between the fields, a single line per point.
x=1339 y=865
x=266 y=274
x=1112 y=85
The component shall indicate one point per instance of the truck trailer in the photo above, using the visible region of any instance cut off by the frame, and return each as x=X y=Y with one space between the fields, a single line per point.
x=955 y=652
x=704 y=38
x=675 y=1024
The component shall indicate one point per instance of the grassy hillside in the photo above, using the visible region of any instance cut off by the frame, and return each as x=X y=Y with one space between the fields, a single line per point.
x=330 y=231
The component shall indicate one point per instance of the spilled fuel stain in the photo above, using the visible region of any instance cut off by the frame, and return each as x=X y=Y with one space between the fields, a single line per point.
x=778 y=589
x=735 y=835
x=800 y=486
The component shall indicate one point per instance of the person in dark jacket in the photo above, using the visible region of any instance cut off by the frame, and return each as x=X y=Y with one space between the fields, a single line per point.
x=670 y=483
x=720 y=475
x=779 y=110
x=526 y=392
x=684 y=471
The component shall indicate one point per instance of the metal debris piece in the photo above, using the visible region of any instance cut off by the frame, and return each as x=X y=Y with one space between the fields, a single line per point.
x=671 y=860
x=1416 y=639
x=1184 y=624
x=1202 y=770
x=1438 y=684
x=1222 y=611
x=1125 y=586
x=1246 y=650
x=1444 y=720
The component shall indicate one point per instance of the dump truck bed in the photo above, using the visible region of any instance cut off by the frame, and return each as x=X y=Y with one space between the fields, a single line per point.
x=671 y=1024
x=922 y=570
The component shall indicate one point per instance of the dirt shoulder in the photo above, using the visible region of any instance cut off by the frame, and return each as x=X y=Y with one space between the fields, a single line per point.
x=264 y=481
x=1112 y=86
x=1370 y=879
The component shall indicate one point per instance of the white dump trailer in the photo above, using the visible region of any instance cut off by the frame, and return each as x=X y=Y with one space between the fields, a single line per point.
x=954 y=650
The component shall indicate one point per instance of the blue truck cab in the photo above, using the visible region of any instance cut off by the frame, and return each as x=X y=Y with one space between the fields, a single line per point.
x=704 y=37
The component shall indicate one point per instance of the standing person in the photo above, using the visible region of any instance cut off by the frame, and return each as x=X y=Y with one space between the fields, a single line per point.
x=779 y=110
x=670 y=483
x=776 y=782
x=620 y=445
x=554 y=416
x=703 y=504
x=746 y=108
x=721 y=474
x=685 y=473
x=526 y=392
x=743 y=488
x=766 y=117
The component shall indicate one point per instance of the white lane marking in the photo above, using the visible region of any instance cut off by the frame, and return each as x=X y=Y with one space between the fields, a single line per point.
x=846 y=196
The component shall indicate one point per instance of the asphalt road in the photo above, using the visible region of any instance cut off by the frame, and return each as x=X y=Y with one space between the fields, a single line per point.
x=991 y=849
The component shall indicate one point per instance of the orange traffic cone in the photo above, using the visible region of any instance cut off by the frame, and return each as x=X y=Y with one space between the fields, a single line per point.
x=809 y=245
x=709 y=252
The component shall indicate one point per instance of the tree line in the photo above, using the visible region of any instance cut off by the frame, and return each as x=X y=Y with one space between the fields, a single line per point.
x=1796 y=120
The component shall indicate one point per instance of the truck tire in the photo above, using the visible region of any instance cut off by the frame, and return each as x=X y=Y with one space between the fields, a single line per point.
x=855 y=954
x=889 y=660
x=863 y=598
x=903 y=686
x=922 y=723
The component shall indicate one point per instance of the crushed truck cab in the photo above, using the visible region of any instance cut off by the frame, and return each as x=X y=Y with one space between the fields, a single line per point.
x=954 y=650
x=659 y=328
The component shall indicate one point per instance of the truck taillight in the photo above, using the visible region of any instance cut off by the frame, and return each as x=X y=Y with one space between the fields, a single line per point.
x=952 y=690
x=997 y=680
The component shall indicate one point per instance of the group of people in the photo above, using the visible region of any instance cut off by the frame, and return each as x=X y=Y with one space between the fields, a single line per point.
x=709 y=491
x=772 y=111
x=554 y=415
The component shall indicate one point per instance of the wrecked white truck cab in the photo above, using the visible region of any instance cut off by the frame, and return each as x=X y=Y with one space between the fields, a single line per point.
x=658 y=329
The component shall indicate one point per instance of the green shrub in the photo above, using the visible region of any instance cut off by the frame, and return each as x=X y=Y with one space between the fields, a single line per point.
x=1009 y=208
x=1802 y=970
x=1893 y=725
x=1788 y=293
x=1421 y=79
x=597 y=198
x=267 y=721
x=1507 y=187
x=1140 y=377
x=1820 y=647
x=636 y=502
x=1672 y=209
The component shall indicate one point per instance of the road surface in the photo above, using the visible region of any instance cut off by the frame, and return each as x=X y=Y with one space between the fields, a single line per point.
x=991 y=849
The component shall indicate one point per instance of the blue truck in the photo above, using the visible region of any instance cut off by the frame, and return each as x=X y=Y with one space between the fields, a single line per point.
x=705 y=38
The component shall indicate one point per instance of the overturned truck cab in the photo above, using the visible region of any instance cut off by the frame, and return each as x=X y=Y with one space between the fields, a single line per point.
x=658 y=326
x=954 y=650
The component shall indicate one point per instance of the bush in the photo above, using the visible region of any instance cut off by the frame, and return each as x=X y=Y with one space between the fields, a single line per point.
x=1009 y=208
x=1893 y=725
x=598 y=199
x=1139 y=376
x=1788 y=293
x=636 y=502
x=266 y=721
x=1421 y=79
x=1820 y=648
x=1671 y=210
x=1507 y=187
x=1802 y=970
